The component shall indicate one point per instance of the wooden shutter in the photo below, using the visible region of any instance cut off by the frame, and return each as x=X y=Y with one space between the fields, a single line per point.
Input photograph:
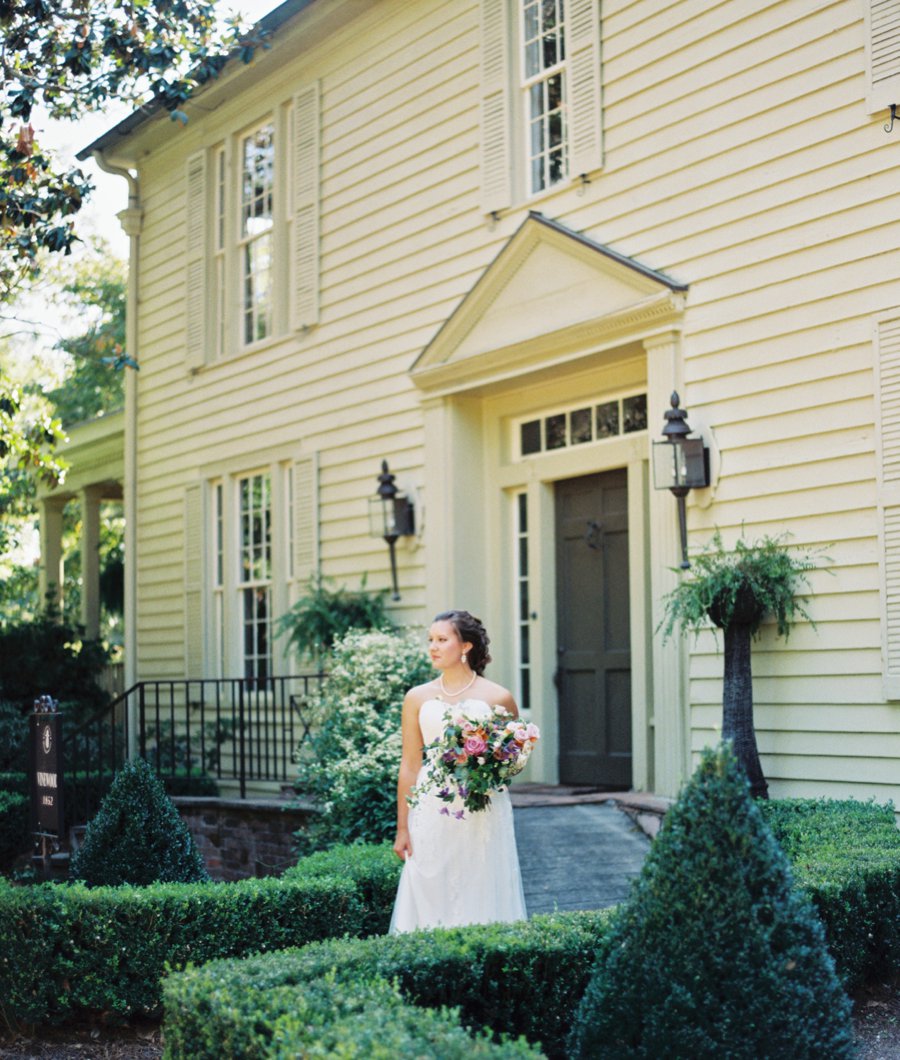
x=887 y=391
x=585 y=119
x=882 y=54
x=195 y=230
x=194 y=582
x=305 y=235
x=306 y=518
x=495 y=110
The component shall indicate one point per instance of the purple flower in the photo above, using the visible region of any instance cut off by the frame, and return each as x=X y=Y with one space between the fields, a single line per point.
x=458 y=814
x=463 y=791
x=445 y=811
x=444 y=793
x=449 y=756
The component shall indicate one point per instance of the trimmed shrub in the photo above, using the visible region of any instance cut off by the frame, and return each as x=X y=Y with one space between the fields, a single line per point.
x=349 y=767
x=523 y=978
x=716 y=953
x=68 y=951
x=846 y=856
x=137 y=836
x=13 y=827
x=373 y=869
x=326 y=1019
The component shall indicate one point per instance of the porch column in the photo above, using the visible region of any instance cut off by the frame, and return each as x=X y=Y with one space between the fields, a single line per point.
x=90 y=560
x=668 y=699
x=50 y=579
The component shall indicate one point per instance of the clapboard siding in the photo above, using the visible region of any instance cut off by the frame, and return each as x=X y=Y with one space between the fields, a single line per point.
x=738 y=158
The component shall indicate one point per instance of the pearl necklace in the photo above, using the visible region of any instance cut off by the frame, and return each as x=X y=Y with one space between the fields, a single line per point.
x=459 y=691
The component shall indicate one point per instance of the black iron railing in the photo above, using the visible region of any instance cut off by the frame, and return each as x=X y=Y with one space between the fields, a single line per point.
x=229 y=729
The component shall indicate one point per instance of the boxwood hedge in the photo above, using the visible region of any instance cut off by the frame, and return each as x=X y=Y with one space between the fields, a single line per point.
x=373 y=867
x=846 y=856
x=68 y=950
x=523 y=978
x=327 y=1018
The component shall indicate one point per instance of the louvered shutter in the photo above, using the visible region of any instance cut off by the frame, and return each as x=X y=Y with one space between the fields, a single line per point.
x=585 y=118
x=495 y=124
x=305 y=481
x=305 y=235
x=195 y=229
x=193 y=582
x=887 y=390
x=882 y=54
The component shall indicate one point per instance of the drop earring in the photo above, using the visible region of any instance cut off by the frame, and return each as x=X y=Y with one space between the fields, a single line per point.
x=463 y=660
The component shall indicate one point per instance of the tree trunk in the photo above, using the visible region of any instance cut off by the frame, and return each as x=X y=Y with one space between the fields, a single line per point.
x=737 y=706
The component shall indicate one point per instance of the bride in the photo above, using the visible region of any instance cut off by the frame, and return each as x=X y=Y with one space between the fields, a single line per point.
x=456 y=871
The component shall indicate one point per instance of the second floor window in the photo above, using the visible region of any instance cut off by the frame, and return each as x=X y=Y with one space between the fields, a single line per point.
x=544 y=82
x=255 y=234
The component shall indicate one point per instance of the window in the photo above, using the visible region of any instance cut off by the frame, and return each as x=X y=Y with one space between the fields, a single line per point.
x=257 y=183
x=255 y=575
x=540 y=96
x=251 y=545
x=544 y=83
x=588 y=422
x=252 y=233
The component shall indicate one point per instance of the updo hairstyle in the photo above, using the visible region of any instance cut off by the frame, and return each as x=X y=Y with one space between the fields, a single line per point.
x=470 y=630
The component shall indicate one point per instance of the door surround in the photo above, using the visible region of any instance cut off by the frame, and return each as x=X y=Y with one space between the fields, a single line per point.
x=552 y=310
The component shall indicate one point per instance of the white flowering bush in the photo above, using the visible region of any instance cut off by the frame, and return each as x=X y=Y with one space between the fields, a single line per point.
x=351 y=772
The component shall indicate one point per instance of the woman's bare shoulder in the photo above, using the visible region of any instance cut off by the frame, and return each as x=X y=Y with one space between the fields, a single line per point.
x=497 y=693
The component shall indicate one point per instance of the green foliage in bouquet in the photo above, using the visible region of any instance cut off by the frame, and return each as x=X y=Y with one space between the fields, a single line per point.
x=349 y=765
x=324 y=614
x=745 y=584
x=716 y=953
x=137 y=836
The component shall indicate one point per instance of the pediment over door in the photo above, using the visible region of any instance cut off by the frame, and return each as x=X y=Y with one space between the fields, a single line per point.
x=549 y=297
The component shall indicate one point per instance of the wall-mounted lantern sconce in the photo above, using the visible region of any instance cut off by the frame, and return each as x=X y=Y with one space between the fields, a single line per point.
x=391 y=515
x=680 y=464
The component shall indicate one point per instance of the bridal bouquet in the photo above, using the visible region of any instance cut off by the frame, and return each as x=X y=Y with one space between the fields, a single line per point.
x=475 y=756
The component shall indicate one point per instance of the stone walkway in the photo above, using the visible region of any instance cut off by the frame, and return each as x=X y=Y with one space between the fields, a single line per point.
x=576 y=854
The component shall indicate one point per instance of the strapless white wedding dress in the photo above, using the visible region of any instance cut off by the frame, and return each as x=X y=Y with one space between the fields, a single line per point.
x=461 y=871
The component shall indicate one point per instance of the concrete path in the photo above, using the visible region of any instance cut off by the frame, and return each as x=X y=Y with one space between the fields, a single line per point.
x=580 y=856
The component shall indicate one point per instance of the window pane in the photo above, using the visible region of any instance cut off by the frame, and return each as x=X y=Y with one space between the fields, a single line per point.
x=523 y=645
x=550 y=52
x=555 y=129
x=526 y=689
x=532 y=58
x=555 y=428
x=530 y=22
x=257 y=288
x=523 y=601
x=608 y=419
x=634 y=413
x=580 y=426
x=531 y=437
x=257 y=173
x=523 y=558
x=523 y=510
x=554 y=92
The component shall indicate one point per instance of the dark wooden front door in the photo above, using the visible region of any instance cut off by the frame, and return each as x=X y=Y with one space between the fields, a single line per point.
x=594 y=648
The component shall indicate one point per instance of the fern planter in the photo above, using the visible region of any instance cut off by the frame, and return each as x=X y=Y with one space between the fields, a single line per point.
x=735 y=591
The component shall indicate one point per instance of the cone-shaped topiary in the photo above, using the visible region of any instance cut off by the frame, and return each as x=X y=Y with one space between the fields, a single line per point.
x=137 y=836
x=715 y=954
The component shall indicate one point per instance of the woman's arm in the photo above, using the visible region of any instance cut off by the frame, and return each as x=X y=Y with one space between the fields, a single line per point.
x=410 y=763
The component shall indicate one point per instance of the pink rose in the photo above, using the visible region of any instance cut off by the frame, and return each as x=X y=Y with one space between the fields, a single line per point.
x=474 y=745
x=532 y=732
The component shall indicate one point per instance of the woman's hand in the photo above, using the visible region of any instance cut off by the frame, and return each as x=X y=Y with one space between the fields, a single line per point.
x=402 y=845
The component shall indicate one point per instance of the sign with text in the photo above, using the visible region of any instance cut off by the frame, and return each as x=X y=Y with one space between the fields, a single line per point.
x=46 y=774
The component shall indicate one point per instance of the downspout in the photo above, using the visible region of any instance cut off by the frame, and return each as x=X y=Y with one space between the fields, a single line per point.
x=130 y=219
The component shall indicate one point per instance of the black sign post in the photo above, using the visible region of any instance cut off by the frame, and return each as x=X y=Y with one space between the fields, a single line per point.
x=46 y=776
